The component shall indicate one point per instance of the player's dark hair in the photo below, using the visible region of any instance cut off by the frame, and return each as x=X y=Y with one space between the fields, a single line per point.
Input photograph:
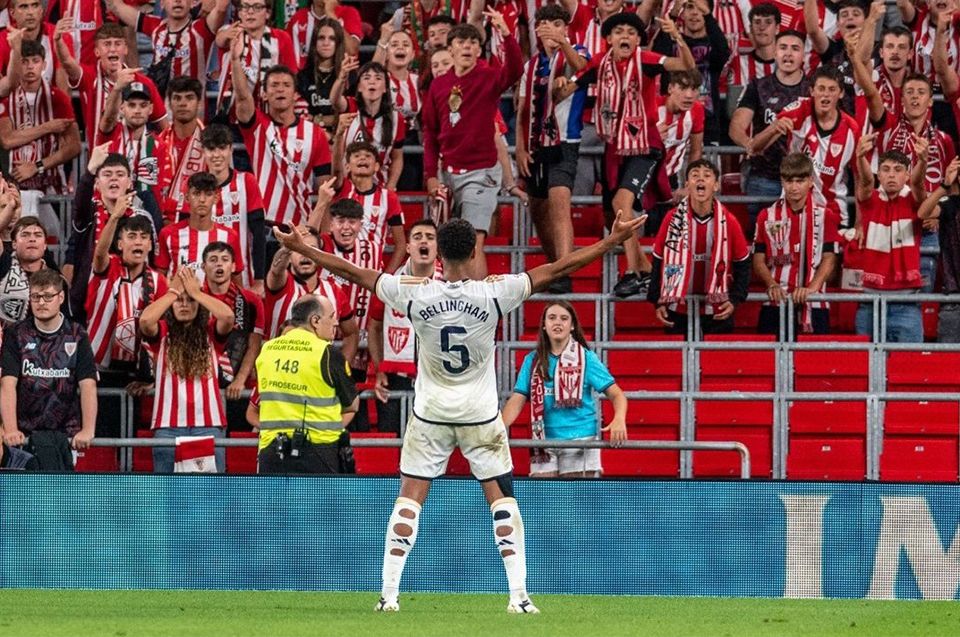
x=542 y=360
x=686 y=79
x=135 y=223
x=304 y=308
x=464 y=32
x=279 y=69
x=826 y=72
x=185 y=84
x=850 y=4
x=114 y=159
x=203 y=182
x=216 y=136
x=442 y=18
x=312 y=67
x=346 y=208
x=111 y=30
x=918 y=77
x=29 y=221
x=894 y=156
x=218 y=246
x=703 y=163
x=32 y=48
x=897 y=31
x=764 y=10
x=551 y=12
x=386 y=111
x=796 y=166
x=791 y=33
x=47 y=278
x=362 y=146
x=456 y=240
x=419 y=223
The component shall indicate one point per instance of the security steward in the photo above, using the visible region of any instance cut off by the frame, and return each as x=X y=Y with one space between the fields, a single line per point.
x=305 y=390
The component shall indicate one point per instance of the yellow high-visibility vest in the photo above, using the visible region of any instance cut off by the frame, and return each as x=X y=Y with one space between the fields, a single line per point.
x=293 y=393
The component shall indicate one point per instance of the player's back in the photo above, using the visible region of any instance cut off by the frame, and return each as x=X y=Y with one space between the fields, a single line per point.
x=456 y=325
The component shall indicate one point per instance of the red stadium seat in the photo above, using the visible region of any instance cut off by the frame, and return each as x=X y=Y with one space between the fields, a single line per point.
x=831 y=370
x=587 y=280
x=521 y=456
x=743 y=370
x=828 y=441
x=646 y=420
x=143 y=456
x=931 y=314
x=376 y=460
x=924 y=371
x=748 y=422
x=633 y=318
x=655 y=370
x=920 y=441
x=242 y=460
x=499 y=263
x=587 y=222
x=586 y=311
x=97 y=460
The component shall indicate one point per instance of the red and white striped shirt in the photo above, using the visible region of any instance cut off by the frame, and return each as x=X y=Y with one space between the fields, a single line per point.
x=286 y=159
x=304 y=21
x=679 y=128
x=363 y=254
x=239 y=197
x=192 y=44
x=94 y=87
x=830 y=151
x=370 y=129
x=381 y=210
x=277 y=304
x=113 y=304
x=924 y=31
x=733 y=18
x=896 y=133
x=50 y=60
x=746 y=67
x=406 y=97
x=27 y=111
x=87 y=18
x=185 y=402
x=181 y=245
x=275 y=47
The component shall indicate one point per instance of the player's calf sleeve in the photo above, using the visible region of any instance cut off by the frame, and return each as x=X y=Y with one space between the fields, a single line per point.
x=508 y=533
x=401 y=535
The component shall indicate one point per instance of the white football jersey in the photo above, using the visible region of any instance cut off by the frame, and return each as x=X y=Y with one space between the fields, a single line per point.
x=456 y=327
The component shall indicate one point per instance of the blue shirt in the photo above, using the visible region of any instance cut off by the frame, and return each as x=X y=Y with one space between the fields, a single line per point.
x=568 y=423
x=569 y=112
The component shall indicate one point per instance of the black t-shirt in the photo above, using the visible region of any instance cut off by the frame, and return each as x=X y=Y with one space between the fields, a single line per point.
x=315 y=90
x=836 y=56
x=766 y=97
x=49 y=367
x=333 y=369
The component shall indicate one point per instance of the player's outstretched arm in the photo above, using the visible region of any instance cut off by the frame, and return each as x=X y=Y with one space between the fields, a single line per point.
x=361 y=276
x=542 y=276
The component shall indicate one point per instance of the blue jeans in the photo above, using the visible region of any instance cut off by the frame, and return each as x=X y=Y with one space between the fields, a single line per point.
x=163 y=457
x=904 y=321
x=754 y=186
x=928 y=262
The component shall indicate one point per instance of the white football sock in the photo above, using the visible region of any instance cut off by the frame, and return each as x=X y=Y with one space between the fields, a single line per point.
x=401 y=535
x=508 y=534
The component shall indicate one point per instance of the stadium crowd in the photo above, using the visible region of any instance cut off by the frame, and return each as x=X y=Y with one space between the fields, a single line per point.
x=172 y=278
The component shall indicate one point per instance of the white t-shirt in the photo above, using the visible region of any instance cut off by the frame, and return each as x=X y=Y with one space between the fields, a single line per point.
x=456 y=327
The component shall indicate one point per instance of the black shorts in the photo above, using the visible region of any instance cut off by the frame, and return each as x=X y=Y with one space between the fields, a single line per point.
x=312 y=459
x=553 y=167
x=635 y=173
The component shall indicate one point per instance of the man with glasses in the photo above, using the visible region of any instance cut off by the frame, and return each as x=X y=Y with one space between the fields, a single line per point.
x=262 y=47
x=48 y=379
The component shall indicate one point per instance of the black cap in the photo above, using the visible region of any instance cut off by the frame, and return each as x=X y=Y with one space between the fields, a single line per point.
x=624 y=17
x=135 y=89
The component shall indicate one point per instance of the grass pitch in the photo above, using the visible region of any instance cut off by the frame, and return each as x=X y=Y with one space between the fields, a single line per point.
x=267 y=614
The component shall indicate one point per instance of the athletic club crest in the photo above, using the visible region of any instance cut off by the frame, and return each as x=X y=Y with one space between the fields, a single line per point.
x=235 y=198
x=398 y=337
x=835 y=149
x=70 y=348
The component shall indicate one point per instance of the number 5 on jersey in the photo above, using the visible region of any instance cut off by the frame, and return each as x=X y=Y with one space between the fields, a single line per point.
x=460 y=350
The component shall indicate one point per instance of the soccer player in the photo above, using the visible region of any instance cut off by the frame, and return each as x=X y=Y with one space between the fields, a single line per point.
x=288 y=152
x=182 y=243
x=700 y=249
x=183 y=140
x=181 y=42
x=38 y=127
x=458 y=113
x=456 y=402
x=548 y=143
x=795 y=250
x=889 y=229
x=239 y=206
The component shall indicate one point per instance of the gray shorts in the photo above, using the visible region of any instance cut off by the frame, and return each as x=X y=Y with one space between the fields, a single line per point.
x=564 y=461
x=474 y=194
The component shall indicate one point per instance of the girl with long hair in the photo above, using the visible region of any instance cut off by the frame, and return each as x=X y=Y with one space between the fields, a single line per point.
x=179 y=328
x=316 y=79
x=559 y=379
x=370 y=117
x=395 y=51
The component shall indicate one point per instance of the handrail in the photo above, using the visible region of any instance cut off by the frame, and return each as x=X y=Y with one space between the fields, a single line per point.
x=520 y=443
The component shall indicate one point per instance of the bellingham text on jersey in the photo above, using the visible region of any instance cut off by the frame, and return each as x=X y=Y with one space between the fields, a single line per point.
x=453 y=305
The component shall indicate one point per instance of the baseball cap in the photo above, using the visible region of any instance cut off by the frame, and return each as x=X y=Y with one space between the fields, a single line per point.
x=135 y=89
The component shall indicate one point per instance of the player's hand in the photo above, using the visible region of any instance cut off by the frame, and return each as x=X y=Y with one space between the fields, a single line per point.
x=234 y=389
x=563 y=87
x=858 y=234
x=496 y=19
x=878 y=8
x=663 y=316
x=124 y=77
x=724 y=312
x=866 y=144
x=547 y=32
x=292 y=240
x=237 y=42
x=944 y=20
x=139 y=388
x=64 y=25
x=783 y=126
x=623 y=230
x=23 y=170
x=97 y=156
x=433 y=186
x=326 y=193
x=380 y=388
x=931 y=225
x=668 y=26
x=14 y=38
x=776 y=294
x=950 y=175
x=12 y=436
x=81 y=440
x=523 y=162
x=618 y=431
x=921 y=147
x=801 y=294
x=850 y=42
x=191 y=284
x=120 y=206
x=343 y=123
x=59 y=125
x=350 y=63
x=386 y=32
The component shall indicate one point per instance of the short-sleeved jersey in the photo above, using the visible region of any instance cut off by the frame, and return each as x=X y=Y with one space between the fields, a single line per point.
x=573 y=422
x=456 y=325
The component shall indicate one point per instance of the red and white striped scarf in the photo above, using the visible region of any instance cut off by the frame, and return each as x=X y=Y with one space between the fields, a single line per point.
x=257 y=56
x=780 y=245
x=620 y=116
x=549 y=134
x=370 y=129
x=567 y=389
x=25 y=115
x=678 y=257
x=132 y=295
x=183 y=166
x=406 y=97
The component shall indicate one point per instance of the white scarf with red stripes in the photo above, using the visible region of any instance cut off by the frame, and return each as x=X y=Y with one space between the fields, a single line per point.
x=132 y=295
x=678 y=256
x=780 y=245
x=567 y=389
x=621 y=119
x=184 y=166
x=549 y=134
